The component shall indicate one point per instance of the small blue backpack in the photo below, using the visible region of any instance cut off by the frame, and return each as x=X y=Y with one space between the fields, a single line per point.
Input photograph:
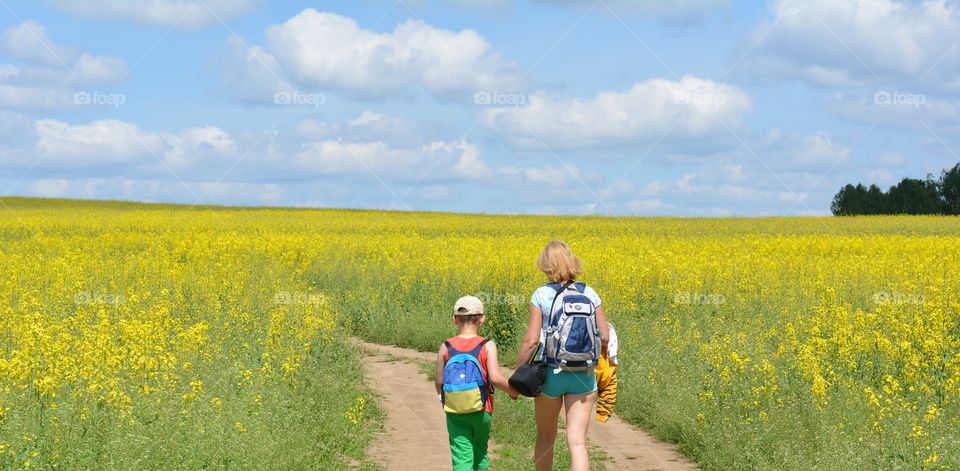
x=465 y=388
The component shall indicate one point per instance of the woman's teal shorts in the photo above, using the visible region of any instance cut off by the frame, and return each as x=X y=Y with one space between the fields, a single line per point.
x=569 y=382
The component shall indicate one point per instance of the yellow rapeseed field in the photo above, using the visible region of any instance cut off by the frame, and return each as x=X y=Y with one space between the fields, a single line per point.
x=159 y=339
x=215 y=337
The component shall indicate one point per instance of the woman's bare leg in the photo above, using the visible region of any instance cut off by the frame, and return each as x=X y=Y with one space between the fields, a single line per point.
x=547 y=411
x=580 y=409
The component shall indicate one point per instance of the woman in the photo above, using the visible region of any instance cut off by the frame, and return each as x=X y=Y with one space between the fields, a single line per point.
x=574 y=391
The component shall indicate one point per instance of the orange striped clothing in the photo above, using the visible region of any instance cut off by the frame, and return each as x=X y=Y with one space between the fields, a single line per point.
x=606 y=388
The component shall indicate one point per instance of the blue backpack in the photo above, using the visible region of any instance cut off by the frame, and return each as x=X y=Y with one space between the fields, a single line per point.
x=465 y=388
x=570 y=333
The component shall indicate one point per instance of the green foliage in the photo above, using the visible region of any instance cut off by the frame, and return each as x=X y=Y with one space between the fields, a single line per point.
x=910 y=196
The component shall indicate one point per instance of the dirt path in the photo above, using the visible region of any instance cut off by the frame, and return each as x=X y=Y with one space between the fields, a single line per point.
x=416 y=430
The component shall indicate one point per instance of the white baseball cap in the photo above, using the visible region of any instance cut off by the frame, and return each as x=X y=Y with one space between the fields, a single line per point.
x=468 y=306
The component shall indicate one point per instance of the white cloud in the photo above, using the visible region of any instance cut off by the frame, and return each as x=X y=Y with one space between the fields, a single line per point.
x=815 y=152
x=686 y=109
x=154 y=190
x=30 y=43
x=899 y=110
x=189 y=144
x=717 y=190
x=105 y=142
x=469 y=165
x=859 y=42
x=368 y=117
x=119 y=159
x=371 y=126
x=251 y=75
x=182 y=13
x=48 y=73
x=325 y=51
x=100 y=141
x=98 y=69
x=437 y=161
x=548 y=176
x=768 y=175
x=20 y=97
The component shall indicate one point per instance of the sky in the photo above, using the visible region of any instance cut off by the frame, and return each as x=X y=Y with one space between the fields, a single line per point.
x=607 y=107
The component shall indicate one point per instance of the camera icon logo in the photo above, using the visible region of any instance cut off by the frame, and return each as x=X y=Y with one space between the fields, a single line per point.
x=882 y=98
x=282 y=98
x=82 y=98
x=482 y=98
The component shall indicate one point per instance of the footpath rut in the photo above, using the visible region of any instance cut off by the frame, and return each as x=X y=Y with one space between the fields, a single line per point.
x=415 y=437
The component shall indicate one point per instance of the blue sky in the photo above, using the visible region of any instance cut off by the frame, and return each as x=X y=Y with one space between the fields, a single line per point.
x=691 y=108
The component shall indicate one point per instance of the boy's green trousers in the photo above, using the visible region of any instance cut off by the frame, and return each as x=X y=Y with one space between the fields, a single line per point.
x=469 y=434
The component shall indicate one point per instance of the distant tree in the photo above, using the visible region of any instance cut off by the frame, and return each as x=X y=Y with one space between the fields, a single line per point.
x=950 y=190
x=913 y=196
x=850 y=201
x=910 y=196
x=876 y=201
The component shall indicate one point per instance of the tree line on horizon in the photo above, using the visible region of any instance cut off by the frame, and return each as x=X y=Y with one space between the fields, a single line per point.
x=910 y=196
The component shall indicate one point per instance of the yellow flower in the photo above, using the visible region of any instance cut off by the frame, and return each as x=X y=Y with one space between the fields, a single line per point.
x=355 y=414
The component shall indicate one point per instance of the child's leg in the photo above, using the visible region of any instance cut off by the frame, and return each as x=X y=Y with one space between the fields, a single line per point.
x=481 y=439
x=461 y=442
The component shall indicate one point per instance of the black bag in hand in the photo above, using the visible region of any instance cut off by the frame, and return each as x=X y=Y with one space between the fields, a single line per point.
x=529 y=378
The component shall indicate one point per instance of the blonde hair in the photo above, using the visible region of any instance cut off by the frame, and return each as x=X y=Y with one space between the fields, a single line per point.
x=558 y=262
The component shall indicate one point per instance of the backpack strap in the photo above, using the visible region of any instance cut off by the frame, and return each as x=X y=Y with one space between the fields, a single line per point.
x=581 y=287
x=475 y=351
x=560 y=288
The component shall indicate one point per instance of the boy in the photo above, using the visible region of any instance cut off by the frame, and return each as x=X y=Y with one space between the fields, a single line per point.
x=467 y=371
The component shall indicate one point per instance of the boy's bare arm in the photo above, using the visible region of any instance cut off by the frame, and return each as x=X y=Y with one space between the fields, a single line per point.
x=493 y=370
x=438 y=378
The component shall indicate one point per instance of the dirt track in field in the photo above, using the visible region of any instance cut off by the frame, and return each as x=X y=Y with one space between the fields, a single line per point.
x=415 y=432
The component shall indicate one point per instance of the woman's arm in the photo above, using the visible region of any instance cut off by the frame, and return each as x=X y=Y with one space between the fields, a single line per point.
x=532 y=338
x=438 y=379
x=496 y=376
x=602 y=326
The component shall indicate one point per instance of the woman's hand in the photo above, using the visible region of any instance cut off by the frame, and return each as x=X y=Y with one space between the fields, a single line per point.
x=603 y=327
